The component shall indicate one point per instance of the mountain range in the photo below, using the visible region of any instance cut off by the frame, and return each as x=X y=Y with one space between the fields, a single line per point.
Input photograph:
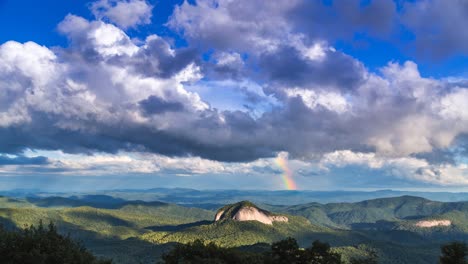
x=405 y=229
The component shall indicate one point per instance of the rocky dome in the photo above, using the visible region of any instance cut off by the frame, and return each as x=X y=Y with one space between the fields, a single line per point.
x=247 y=211
x=433 y=223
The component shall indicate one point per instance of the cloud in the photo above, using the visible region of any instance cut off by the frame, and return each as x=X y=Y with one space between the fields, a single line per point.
x=292 y=66
x=409 y=25
x=22 y=160
x=266 y=25
x=405 y=167
x=279 y=50
x=219 y=24
x=96 y=39
x=225 y=65
x=432 y=23
x=331 y=101
x=125 y=14
x=155 y=105
x=286 y=89
x=125 y=163
x=107 y=104
x=340 y=20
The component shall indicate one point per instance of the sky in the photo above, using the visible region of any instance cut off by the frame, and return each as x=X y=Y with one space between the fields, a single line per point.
x=222 y=94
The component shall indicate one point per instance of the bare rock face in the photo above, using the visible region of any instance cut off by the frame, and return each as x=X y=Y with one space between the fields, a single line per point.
x=433 y=223
x=279 y=218
x=246 y=211
x=218 y=215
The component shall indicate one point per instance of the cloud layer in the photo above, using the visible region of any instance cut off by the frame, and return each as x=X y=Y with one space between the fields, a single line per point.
x=291 y=91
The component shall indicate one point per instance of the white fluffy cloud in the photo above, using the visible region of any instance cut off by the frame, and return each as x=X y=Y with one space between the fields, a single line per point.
x=248 y=25
x=330 y=100
x=125 y=14
x=404 y=167
x=128 y=163
x=453 y=105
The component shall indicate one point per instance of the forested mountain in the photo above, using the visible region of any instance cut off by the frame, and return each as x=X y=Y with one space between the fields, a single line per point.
x=397 y=229
x=380 y=213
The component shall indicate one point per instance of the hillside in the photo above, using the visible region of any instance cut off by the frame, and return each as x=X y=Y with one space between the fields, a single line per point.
x=106 y=232
x=136 y=230
x=399 y=213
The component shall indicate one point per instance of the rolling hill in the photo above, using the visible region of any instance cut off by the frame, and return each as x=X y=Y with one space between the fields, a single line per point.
x=131 y=231
x=399 y=213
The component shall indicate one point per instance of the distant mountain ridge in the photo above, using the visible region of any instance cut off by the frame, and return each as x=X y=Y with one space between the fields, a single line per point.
x=213 y=198
x=383 y=214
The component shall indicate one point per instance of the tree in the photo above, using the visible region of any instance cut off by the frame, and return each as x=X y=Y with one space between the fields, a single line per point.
x=286 y=251
x=198 y=252
x=454 y=253
x=371 y=259
x=40 y=245
x=320 y=253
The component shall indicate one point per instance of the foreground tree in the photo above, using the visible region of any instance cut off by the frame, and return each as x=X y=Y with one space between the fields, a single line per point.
x=371 y=259
x=198 y=253
x=454 y=253
x=320 y=253
x=286 y=251
x=40 y=245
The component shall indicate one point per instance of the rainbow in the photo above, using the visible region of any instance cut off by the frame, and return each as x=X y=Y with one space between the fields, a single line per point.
x=287 y=173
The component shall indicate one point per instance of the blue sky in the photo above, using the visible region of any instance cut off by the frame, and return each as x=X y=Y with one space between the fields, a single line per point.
x=211 y=94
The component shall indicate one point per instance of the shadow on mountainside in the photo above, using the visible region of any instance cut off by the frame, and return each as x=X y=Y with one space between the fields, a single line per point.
x=171 y=228
x=7 y=224
x=96 y=201
x=121 y=251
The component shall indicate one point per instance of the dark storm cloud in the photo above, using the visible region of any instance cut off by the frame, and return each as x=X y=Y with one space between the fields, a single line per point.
x=306 y=133
x=157 y=58
x=112 y=139
x=436 y=27
x=22 y=160
x=204 y=136
x=343 y=19
x=290 y=68
x=155 y=105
